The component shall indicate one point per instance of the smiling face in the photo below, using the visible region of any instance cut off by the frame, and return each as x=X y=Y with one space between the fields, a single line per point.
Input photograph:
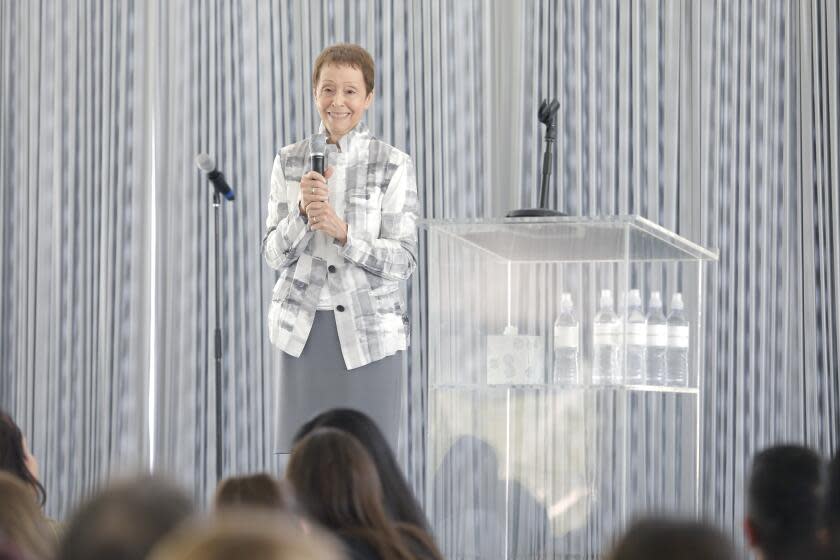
x=341 y=98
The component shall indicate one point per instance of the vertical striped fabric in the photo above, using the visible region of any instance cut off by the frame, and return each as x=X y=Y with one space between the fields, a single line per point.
x=769 y=180
x=618 y=73
x=715 y=119
x=719 y=121
x=74 y=250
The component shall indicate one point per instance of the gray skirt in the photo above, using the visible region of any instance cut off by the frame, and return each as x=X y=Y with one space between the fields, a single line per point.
x=319 y=380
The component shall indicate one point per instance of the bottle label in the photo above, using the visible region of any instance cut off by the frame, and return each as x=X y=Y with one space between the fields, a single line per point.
x=657 y=335
x=566 y=337
x=636 y=334
x=606 y=334
x=678 y=336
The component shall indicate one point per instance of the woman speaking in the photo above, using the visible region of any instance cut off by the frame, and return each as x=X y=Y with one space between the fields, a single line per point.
x=343 y=242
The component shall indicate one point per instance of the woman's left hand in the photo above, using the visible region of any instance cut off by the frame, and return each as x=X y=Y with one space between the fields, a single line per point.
x=322 y=217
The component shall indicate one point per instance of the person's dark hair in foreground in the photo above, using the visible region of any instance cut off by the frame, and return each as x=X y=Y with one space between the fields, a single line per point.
x=336 y=484
x=15 y=457
x=8 y=551
x=399 y=500
x=832 y=507
x=668 y=539
x=125 y=521
x=253 y=491
x=785 y=503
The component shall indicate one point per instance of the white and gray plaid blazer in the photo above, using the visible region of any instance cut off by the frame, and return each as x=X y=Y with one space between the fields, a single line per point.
x=380 y=194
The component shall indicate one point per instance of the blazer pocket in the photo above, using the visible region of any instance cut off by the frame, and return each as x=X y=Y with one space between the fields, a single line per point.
x=387 y=300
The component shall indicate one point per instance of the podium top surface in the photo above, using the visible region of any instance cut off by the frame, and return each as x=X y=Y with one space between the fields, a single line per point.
x=571 y=239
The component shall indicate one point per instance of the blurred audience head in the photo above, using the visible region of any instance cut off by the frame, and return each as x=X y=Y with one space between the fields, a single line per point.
x=399 y=500
x=785 y=503
x=16 y=458
x=334 y=480
x=832 y=507
x=125 y=521
x=258 y=490
x=23 y=528
x=251 y=535
x=668 y=539
x=337 y=485
x=8 y=551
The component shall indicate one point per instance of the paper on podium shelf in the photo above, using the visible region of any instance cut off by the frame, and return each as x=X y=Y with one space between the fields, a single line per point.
x=514 y=359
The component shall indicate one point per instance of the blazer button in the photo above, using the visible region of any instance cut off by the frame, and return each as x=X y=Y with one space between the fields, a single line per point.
x=331 y=268
x=339 y=308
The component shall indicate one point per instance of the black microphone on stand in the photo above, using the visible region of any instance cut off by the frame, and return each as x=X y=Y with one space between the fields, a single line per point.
x=548 y=116
x=317 y=152
x=206 y=164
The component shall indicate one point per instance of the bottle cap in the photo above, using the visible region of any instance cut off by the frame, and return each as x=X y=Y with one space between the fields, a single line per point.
x=606 y=299
x=677 y=301
x=655 y=300
x=634 y=298
x=566 y=303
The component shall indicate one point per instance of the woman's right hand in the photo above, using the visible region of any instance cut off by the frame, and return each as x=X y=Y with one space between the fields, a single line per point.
x=313 y=188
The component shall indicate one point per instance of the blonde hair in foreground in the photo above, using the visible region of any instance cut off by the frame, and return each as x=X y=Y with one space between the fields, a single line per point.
x=247 y=534
x=21 y=519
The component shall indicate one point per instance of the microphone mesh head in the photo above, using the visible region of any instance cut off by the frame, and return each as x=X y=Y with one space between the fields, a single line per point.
x=318 y=145
x=205 y=163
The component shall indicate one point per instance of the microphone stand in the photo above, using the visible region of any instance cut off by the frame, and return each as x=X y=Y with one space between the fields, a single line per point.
x=548 y=116
x=220 y=187
x=217 y=203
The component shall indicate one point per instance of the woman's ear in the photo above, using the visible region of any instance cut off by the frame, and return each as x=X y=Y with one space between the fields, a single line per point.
x=369 y=99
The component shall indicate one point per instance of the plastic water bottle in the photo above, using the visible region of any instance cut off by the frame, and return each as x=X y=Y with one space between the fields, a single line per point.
x=635 y=337
x=566 y=343
x=606 y=340
x=677 y=343
x=657 y=342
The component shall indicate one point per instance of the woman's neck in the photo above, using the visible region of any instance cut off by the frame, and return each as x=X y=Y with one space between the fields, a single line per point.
x=334 y=140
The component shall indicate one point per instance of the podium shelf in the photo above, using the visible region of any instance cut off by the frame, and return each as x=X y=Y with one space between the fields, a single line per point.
x=572 y=239
x=569 y=389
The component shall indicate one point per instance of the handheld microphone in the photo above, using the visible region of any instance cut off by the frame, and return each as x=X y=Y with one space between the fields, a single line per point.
x=206 y=164
x=317 y=150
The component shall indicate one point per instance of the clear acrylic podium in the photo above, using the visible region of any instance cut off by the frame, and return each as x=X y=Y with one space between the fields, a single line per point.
x=519 y=466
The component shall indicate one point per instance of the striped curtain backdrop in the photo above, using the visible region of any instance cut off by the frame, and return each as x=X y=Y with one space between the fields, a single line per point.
x=621 y=73
x=235 y=81
x=74 y=251
x=769 y=180
x=717 y=120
